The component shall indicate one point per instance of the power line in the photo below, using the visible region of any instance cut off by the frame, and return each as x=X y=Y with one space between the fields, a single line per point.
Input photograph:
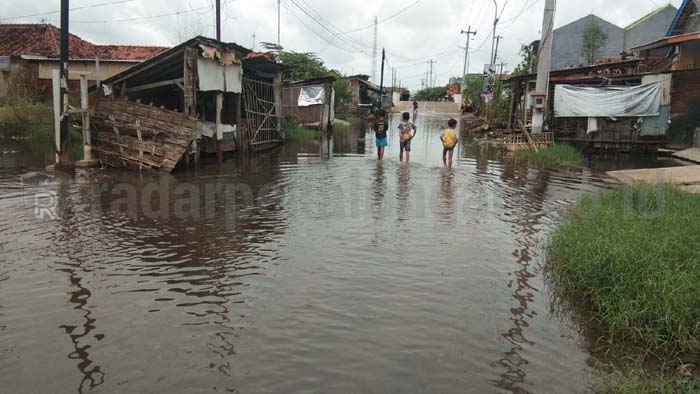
x=152 y=16
x=72 y=9
x=401 y=11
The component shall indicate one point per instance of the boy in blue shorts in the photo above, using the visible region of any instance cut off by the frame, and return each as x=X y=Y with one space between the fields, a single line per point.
x=380 y=128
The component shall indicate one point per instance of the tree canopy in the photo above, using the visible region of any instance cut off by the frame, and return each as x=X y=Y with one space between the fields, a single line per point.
x=528 y=58
x=431 y=94
x=306 y=65
x=592 y=40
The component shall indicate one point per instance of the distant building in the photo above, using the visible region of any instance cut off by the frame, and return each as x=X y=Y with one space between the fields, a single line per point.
x=455 y=81
x=567 y=43
x=37 y=48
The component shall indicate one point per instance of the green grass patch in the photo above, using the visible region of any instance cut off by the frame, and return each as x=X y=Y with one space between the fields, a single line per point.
x=639 y=383
x=29 y=127
x=634 y=254
x=300 y=133
x=631 y=255
x=557 y=155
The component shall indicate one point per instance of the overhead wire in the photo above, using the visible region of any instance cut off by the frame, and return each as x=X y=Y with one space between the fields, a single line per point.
x=71 y=9
x=401 y=11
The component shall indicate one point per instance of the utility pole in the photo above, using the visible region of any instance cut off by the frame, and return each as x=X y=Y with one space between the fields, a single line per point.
x=495 y=53
x=63 y=101
x=253 y=42
x=374 y=52
x=430 y=80
x=218 y=20
x=381 y=83
x=469 y=32
x=493 y=34
x=279 y=17
x=500 y=73
x=543 y=59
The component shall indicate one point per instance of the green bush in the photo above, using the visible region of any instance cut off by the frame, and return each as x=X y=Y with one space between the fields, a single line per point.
x=634 y=254
x=290 y=121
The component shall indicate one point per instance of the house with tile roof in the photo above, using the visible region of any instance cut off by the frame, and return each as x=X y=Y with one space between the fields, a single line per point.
x=36 y=48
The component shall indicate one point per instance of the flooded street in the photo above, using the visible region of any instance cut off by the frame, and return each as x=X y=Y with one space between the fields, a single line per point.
x=311 y=269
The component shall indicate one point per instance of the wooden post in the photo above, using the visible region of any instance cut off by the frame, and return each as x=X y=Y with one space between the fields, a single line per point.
x=219 y=133
x=98 y=80
x=514 y=89
x=189 y=82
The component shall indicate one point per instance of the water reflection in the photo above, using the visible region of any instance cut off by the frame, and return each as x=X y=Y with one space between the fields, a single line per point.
x=528 y=212
x=273 y=285
x=76 y=268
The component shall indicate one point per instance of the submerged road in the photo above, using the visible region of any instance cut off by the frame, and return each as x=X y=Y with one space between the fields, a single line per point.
x=298 y=274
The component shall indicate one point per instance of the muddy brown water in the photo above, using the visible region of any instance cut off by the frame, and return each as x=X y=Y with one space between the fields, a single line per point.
x=311 y=269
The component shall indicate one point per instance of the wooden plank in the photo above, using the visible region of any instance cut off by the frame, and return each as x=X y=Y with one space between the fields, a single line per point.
x=189 y=83
x=154 y=85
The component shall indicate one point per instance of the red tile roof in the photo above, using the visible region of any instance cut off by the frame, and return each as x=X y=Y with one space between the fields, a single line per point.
x=44 y=40
x=128 y=52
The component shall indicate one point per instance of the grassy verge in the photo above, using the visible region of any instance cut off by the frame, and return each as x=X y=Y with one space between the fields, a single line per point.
x=555 y=155
x=29 y=127
x=633 y=254
x=640 y=384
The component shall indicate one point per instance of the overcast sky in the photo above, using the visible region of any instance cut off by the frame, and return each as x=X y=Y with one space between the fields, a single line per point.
x=415 y=31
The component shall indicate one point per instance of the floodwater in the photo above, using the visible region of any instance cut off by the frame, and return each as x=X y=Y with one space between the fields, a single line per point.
x=311 y=269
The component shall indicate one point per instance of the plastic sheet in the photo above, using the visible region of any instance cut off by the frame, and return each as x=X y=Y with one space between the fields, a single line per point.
x=609 y=101
x=311 y=95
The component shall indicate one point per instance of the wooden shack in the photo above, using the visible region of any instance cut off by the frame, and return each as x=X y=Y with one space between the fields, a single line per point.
x=364 y=94
x=312 y=101
x=177 y=105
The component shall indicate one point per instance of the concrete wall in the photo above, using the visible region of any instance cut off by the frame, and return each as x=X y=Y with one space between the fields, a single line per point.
x=566 y=47
x=107 y=69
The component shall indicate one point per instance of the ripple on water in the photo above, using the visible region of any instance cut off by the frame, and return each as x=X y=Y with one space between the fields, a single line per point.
x=344 y=274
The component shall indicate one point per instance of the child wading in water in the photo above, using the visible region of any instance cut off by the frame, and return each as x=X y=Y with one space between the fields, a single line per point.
x=380 y=133
x=407 y=131
x=449 y=141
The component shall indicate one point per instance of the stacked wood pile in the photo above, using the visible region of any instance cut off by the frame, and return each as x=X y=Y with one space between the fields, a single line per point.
x=473 y=124
x=136 y=136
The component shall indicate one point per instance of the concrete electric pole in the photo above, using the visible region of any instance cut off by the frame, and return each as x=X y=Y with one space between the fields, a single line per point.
x=493 y=33
x=495 y=52
x=430 y=79
x=279 y=23
x=469 y=33
x=63 y=101
x=543 y=59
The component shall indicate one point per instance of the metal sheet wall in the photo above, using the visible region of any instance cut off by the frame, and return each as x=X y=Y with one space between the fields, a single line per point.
x=657 y=125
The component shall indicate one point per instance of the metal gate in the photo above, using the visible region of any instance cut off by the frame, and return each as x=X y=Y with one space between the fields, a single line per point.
x=262 y=119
